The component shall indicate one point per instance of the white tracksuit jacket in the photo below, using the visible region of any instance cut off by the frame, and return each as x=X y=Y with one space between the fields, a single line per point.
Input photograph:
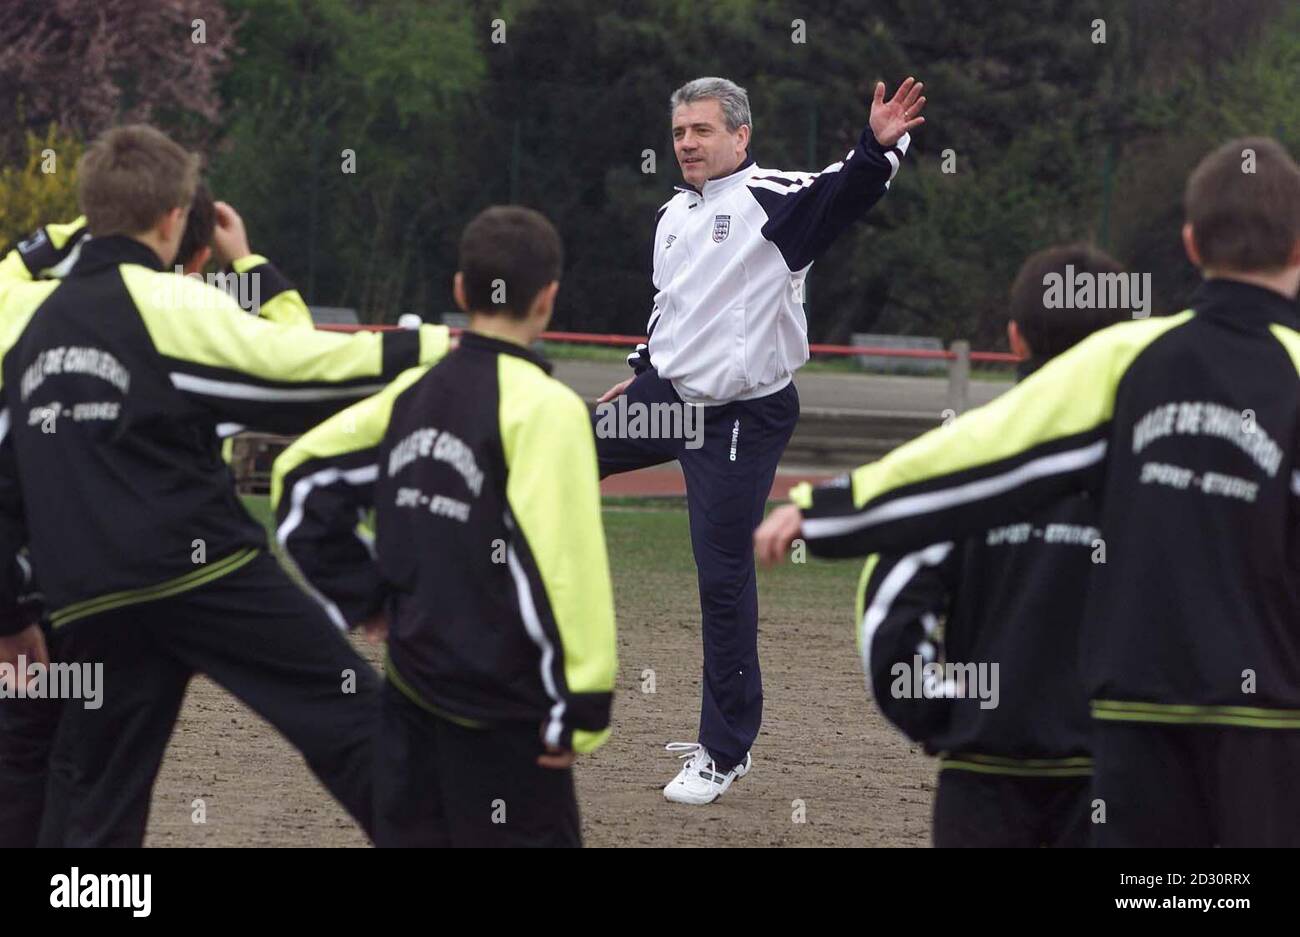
x=729 y=264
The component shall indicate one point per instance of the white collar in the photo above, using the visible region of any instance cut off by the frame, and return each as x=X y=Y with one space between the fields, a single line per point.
x=715 y=187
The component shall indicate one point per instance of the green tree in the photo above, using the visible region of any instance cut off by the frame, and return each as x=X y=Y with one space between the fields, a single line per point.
x=42 y=187
x=344 y=145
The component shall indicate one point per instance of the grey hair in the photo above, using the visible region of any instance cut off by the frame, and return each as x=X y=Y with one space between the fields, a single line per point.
x=733 y=99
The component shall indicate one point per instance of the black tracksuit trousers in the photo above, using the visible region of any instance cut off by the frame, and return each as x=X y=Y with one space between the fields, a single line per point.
x=442 y=784
x=27 y=729
x=252 y=631
x=1200 y=786
x=972 y=809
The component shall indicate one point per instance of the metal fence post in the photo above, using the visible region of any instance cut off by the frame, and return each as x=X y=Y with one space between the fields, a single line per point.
x=959 y=376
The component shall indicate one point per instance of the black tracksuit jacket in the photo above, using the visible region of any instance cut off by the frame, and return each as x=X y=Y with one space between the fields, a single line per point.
x=1187 y=429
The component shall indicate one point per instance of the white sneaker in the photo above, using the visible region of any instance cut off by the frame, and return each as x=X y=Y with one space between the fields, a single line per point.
x=699 y=781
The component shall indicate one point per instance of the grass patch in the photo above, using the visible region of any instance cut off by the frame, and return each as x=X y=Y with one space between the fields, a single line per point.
x=649 y=543
x=260 y=507
x=650 y=558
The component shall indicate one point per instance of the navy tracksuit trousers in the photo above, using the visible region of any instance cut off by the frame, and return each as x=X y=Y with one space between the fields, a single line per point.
x=728 y=479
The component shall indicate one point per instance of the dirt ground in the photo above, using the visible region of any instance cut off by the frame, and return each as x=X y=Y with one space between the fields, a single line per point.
x=828 y=771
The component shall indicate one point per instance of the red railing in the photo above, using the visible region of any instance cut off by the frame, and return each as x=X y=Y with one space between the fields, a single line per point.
x=590 y=338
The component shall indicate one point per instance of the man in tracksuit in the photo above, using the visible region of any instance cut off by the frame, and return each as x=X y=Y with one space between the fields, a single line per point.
x=488 y=560
x=971 y=647
x=115 y=380
x=27 y=726
x=727 y=333
x=1188 y=429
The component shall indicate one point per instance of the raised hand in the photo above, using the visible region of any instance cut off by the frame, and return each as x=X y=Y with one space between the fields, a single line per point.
x=895 y=117
x=229 y=239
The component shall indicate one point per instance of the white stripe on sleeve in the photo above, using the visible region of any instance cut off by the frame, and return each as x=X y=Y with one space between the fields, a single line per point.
x=1058 y=463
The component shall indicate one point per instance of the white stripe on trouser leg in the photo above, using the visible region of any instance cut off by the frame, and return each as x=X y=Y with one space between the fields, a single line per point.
x=1295 y=476
x=297 y=509
x=820 y=528
x=896 y=580
x=4 y=423
x=533 y=625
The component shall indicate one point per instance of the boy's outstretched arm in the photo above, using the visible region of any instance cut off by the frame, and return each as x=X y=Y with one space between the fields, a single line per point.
x=1045 y=437
x=903 y=600
x=322 y=488
x=558 y=562
x=259 y=375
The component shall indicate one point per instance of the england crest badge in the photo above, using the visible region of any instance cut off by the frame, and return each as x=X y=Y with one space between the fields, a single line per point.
x=721 y=227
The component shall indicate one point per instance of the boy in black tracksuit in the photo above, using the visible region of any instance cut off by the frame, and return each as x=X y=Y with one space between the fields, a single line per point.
x=488 y=560
x=1188 y=429
x=1014 y=765
x=27 y=727
x=116 y=382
